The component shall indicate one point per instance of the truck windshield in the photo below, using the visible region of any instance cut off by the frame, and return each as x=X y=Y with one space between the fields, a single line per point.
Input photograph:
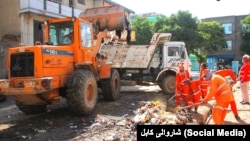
x=183 y=53
x=173 y=51
x=61 y=33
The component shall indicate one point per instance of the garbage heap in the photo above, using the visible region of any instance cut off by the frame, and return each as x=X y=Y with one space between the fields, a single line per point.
x=156 y=113
x=151 y=113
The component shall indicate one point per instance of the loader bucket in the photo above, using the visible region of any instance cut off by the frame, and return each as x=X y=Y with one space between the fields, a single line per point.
x=109 y=17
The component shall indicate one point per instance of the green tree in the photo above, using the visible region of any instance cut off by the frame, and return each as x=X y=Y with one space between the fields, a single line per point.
x=211 y=37
x=245 y=46
x=199 y=37
x=143 y=30
x=182 y=26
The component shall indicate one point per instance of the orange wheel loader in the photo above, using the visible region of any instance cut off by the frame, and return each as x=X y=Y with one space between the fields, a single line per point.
x=67 y=65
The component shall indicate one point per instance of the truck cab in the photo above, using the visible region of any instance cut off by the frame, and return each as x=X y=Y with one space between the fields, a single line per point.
x=165 y=64
x=175 y=53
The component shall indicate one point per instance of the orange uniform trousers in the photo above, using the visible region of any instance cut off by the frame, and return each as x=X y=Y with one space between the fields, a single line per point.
x=219 y=112
x=184 y=93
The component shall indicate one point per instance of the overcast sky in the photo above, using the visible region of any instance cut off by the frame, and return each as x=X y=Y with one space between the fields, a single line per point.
x=198 y=8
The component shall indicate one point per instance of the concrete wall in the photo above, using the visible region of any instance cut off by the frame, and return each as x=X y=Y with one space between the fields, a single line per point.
x=10 y=22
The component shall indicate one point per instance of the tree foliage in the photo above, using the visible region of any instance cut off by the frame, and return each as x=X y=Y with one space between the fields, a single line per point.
x=182 y=26
x=143 y=29
x=245 y=46
x=212 y=37
x=198 y=36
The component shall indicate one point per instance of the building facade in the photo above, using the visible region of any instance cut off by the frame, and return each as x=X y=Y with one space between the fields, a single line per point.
x=21 y=20
x=224 y=56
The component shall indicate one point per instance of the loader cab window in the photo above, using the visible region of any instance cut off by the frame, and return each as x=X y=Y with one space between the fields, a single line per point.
x=86 y=36
x=61 y=33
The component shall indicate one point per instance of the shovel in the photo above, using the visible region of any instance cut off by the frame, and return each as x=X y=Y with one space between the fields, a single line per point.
x=171 y=98
x=186 y=107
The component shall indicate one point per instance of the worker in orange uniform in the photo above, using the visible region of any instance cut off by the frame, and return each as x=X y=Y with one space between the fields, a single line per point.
x=244 y=78
x=222 y=92
x=68 y=38
x=195 y=97
x=183 y=88
x=229 y=72
x=204 y=83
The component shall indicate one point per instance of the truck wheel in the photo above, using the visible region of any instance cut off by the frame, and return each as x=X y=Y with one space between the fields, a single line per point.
x=168 y=84
x=31 y=109
x=2 y=98
x=82 y=92
x=111 y=87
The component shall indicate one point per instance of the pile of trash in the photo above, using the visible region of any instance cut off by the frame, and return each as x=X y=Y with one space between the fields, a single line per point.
x=156 y=113
x=152 y=113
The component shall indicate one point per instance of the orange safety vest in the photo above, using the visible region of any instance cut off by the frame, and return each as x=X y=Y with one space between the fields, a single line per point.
x=181 y=86
x=195 y=97
x=220 y=89
x=244 y=73
x=203 y=72
x=195 y=85
x=204 y=87
x=204 y=83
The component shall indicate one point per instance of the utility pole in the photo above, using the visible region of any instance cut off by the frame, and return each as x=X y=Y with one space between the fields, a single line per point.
x=71 y=4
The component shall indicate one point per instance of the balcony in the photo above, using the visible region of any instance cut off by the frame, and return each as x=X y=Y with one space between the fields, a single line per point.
x=47 y=8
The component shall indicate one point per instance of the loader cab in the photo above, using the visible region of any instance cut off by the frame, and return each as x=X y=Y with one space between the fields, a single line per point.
x=174 y=53
x=68 y=31
x=60 y=33
x=74 y=33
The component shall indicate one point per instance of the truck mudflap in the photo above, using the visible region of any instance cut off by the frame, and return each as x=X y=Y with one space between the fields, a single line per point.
x=25 y=86
x=133 y=56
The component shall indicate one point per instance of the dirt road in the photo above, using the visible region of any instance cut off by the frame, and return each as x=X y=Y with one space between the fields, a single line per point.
x=58 y=123
x=110 y=120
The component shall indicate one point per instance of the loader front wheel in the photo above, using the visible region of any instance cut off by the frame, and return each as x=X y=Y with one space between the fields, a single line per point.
x=31 y=109
x=167 y=84
x=82 y=92
x=111 y=87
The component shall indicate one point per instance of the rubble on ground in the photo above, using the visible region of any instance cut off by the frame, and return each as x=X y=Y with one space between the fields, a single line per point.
x=150 y=113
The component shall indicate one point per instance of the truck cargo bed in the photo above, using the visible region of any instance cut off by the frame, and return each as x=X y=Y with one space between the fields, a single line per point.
x=133 y=56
